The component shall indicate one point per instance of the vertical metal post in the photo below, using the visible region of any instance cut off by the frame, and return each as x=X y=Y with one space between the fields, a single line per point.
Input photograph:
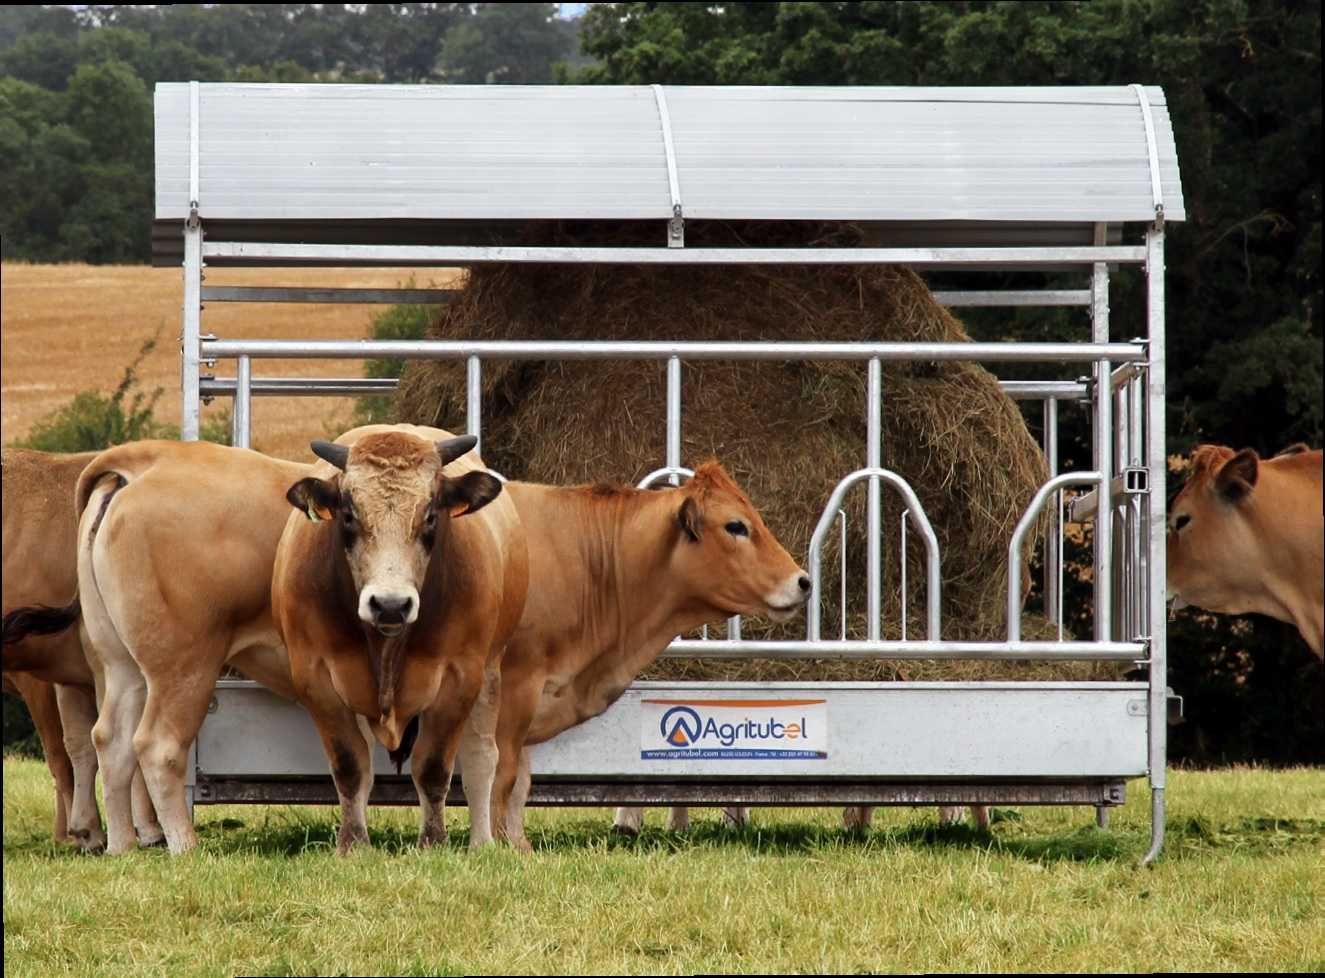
x=474 y=400
x=842 y=571
x=1051 y=536
x=1103 y=438
x=241 y=424
x=874 y=460
x=1119 y=520
x=1136 y=459
x=1156 y=459
x=191 y=329
x=902 y=535
x=674 y=417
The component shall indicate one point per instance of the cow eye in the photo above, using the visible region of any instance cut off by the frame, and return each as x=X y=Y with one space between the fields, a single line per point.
x=1181 y=521
x=737 y=529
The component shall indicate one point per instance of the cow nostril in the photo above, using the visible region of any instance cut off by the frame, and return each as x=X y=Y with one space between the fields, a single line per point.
x=804 y=583
x=390 y=609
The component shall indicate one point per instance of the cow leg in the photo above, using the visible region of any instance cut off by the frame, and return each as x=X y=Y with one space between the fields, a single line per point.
x=856 y=818
x=736 y=816
x=145 y=824
x=628 y=821
x=441 y=729
x=478 y=760
x=514 y=824
x=78 y=714
x=121 y=712
x=950 y=814
x=518 y=704
x=981 y=815
x=678 y=818
x=172 y=714
x=40 y=699
x=351 y=768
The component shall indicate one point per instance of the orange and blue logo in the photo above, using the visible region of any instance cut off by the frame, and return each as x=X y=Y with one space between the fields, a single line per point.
x=734 y=729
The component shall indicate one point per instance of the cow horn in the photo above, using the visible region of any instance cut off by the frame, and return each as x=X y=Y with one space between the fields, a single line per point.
x=453 y=448
x=337 y=455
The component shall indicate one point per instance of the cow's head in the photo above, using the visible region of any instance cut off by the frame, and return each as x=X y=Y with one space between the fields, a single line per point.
x=728 y=557
x=390 y=507
x=1213 y=554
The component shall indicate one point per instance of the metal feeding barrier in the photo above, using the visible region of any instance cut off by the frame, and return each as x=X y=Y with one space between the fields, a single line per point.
x=863 y=743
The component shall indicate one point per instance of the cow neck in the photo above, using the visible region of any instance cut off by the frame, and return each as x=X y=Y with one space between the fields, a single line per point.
x=643 y=609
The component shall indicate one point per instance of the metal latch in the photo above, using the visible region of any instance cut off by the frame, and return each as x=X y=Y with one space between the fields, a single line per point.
x=1141 y=707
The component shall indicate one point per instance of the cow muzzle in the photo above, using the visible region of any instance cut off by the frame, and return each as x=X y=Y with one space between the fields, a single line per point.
x=788 y=598
x=389 y=610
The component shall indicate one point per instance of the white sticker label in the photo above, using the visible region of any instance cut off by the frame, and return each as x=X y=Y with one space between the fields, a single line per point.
x=721 y=730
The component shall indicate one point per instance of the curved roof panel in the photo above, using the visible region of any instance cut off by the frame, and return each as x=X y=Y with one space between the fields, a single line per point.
x=327 y=153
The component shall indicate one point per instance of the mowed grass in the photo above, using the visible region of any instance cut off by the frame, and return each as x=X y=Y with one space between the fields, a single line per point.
x=1241 y=887
x=69 y=328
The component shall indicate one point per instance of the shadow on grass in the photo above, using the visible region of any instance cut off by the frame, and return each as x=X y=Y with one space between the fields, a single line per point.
x=1186 y=837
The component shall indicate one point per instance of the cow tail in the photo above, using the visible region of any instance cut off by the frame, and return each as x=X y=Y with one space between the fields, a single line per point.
x=401 y=754
x=43 y=619
x=39 y=619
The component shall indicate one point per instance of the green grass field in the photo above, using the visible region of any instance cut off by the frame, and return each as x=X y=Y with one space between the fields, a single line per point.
x=1241 y=887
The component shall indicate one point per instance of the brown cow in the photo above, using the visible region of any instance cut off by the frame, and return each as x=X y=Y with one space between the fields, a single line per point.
x=395 y=597
x=40 y=570
x=618 y=573
x=1245 y=535
x=175 y=547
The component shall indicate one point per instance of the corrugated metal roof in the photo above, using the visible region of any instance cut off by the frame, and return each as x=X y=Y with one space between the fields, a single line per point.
x=445 y=153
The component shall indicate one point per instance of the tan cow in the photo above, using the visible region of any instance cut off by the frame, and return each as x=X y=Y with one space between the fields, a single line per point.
x=40 y=570
x=175 y=548
x=616 y=574
x=395 y=597
x=1246 y=534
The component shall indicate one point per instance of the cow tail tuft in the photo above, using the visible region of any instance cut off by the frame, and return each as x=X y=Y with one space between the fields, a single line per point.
x=401 y=754
x=39 y=619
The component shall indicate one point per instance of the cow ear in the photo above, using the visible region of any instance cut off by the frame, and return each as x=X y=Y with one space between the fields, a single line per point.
x=318 y=499
x=469 y=493
x=688 y=517
x=1237 y=477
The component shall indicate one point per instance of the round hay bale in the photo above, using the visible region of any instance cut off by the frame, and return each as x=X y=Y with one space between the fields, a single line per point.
x=787 y=431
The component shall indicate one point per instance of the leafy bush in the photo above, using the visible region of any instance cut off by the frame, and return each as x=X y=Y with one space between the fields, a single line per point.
x=94 y=420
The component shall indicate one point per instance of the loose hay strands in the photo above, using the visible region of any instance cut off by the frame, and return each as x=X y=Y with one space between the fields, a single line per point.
x=787 y=431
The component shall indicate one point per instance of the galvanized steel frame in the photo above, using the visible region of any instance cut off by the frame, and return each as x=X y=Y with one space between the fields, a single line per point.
x=1133 y=393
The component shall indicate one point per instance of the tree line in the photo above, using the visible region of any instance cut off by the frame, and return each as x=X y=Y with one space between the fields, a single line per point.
x=76 y=91
x=1242 y=79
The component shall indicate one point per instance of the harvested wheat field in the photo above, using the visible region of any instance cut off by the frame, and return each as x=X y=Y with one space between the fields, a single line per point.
x=68 y=328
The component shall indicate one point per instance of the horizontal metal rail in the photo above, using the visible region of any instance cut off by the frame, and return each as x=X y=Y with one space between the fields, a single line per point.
x=1018 y=390
x=663 y=350
x=386 y=297
x=996 y=651
x=771 y=790
x=1003 y=298
x=300 y=386
x=262 y=252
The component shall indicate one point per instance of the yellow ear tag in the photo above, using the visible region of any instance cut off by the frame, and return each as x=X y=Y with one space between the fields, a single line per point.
x=316 y=513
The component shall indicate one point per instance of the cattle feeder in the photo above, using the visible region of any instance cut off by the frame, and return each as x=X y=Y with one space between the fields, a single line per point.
x=1075 y=181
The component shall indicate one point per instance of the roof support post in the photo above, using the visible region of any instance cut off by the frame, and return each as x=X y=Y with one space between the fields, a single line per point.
x=676 y=227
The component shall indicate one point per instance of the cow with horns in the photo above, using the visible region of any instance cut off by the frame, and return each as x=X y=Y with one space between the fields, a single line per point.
x=395 y=598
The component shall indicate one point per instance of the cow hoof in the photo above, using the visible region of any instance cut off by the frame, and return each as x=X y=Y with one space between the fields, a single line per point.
x=92 y=843
x=625 y=831
x=522 y=845
x=429 y=839
x=152 y=839
x=347 y=840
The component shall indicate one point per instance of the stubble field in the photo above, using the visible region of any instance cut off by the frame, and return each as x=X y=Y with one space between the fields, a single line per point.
x=67 y=328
